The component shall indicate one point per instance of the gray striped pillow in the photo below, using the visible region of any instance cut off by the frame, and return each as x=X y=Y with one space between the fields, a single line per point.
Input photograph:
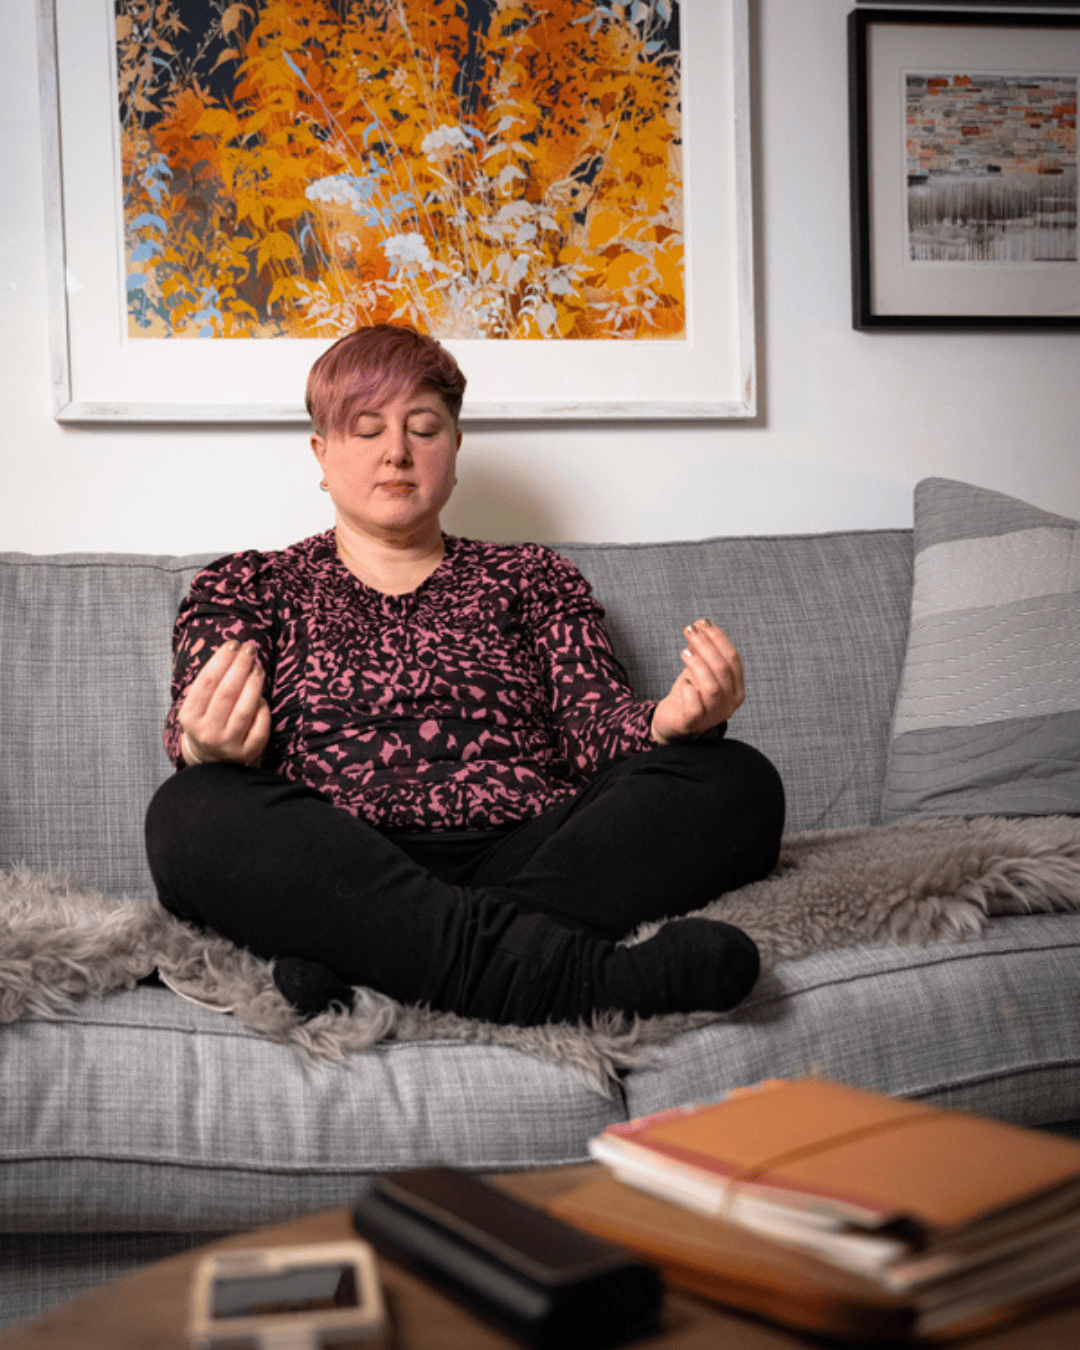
x=987 y=720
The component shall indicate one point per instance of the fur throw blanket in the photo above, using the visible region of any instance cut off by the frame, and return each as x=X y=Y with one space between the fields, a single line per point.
x=908 y=883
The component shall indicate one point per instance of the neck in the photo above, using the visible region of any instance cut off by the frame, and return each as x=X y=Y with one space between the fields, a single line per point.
x=389 y=565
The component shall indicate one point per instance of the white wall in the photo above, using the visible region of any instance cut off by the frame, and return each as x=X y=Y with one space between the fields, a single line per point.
x=849 y=421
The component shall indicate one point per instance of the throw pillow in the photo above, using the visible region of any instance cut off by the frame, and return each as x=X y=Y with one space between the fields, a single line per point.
x=987 y=721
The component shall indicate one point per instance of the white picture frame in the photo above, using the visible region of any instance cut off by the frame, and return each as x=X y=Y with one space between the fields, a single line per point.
x=100 y=374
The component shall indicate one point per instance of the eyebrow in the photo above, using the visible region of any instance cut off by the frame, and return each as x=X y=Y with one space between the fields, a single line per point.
x=410 y=412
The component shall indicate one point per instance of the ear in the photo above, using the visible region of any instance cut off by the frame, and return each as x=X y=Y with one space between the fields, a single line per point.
x=318 y=447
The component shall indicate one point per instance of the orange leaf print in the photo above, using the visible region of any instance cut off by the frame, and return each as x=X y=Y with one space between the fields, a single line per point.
x=296 y=167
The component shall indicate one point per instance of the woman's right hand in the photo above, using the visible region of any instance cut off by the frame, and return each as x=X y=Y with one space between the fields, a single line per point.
x=224 y=715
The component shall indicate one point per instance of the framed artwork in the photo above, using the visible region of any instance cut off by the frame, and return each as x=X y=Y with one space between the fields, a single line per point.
x=557 y=189
x=963 y=163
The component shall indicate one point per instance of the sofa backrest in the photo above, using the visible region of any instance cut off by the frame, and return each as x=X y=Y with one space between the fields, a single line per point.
x=820 y=622
x=85 y=660
x=84 y=686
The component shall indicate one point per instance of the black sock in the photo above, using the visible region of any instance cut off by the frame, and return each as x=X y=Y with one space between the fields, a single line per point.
x=309 y=987
x=689 y=965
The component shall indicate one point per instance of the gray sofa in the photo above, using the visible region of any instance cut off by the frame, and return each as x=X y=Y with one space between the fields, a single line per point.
x=137 y=1124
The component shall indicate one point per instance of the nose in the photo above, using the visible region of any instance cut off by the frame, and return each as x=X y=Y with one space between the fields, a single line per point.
x=397 y=445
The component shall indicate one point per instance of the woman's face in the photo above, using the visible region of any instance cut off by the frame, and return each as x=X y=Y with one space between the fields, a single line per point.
x=392 y=473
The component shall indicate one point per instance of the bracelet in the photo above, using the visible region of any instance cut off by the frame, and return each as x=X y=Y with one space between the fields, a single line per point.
x=185 y=744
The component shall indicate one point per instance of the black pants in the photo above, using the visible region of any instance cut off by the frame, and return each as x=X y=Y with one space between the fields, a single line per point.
x=515 y=925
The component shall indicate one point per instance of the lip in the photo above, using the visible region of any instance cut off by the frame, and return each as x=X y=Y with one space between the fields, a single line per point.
x=398 y=487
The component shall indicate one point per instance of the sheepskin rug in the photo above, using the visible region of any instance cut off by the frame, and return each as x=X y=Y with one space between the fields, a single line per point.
x=909 y=883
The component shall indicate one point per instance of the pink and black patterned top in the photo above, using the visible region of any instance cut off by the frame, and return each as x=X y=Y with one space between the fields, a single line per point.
x=481 y=698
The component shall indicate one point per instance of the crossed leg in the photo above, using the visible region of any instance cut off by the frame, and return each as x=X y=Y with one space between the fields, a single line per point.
x=530 y=936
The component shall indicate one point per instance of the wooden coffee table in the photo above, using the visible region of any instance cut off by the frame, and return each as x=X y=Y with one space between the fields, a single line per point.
x=148 y=1310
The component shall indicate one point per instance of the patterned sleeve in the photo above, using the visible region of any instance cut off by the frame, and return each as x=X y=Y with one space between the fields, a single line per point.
x=595 y=716
x=232 y=598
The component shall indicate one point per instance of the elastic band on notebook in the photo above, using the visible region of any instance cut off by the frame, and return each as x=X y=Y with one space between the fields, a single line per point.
x=751 y=1174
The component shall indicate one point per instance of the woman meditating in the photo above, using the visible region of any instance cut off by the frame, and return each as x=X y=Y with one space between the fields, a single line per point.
x=412 y=762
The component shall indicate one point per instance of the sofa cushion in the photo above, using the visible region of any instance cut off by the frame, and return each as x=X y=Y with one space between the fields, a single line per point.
x=820 y=622
x=986 y=1025
x=987 y=718
x=139 y=1111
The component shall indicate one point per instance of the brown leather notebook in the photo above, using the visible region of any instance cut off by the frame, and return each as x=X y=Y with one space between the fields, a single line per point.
x=725 y=1263
x=827 y=1206
x=860 y=1156
x=719 y=1261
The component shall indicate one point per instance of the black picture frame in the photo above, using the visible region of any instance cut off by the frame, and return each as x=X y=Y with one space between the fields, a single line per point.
x=899 y=231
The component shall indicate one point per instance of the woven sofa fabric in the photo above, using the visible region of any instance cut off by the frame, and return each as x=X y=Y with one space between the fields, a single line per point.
x=987 y=719
x=84 y=681
x=820 y=622
x=140 y=1111
x=985 y=1025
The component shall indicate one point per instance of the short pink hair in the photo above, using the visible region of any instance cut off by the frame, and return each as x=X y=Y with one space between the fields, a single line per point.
x=364 y=368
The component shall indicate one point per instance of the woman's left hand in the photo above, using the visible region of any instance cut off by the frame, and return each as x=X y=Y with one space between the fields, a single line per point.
x=707 y=692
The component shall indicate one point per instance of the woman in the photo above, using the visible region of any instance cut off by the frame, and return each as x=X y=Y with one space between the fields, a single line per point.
x=413 y=762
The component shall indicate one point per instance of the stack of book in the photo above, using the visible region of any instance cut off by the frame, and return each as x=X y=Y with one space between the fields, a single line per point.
x=840 y=1210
